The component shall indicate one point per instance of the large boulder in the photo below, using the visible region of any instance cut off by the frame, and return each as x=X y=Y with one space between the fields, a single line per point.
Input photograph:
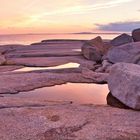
x=94 y=49
x=91 y=53
x=124 y=84
x=121 y=39
x=129 y=53
x=136 y=35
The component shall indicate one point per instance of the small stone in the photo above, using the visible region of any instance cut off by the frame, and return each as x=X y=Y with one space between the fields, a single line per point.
x=54 y=118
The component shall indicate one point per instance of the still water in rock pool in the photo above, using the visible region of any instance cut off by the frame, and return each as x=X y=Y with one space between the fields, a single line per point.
x=75 y=92
x=67 y=65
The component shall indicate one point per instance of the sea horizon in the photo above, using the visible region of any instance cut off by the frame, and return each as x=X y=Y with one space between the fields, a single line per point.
x=30 y=38
x=63 y=33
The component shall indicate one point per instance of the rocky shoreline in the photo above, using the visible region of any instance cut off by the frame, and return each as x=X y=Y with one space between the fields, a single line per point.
x=115 y=62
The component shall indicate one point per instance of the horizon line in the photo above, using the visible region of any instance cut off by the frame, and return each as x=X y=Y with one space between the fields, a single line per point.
x=64 y=33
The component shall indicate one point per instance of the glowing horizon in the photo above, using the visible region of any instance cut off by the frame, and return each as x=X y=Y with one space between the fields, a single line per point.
x=66 y=16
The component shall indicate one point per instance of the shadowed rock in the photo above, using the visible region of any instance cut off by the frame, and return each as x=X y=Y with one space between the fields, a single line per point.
x=136 y=35
x=113 y=101
x=2 y=60
x=106 y=65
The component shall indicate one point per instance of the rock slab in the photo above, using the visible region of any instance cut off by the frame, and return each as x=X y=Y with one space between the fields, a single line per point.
x=31 y=119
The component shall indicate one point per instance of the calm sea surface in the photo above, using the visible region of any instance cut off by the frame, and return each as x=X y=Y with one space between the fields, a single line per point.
x=31 y=38
x=76 y=92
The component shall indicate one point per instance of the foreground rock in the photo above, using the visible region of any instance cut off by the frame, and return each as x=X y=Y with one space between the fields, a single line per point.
x=124 y=84
x=136 y=35
x=47 y=120
x=129 y=53
x=121 y=39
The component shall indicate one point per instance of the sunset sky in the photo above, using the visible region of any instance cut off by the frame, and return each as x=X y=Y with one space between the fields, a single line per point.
x=67 y=16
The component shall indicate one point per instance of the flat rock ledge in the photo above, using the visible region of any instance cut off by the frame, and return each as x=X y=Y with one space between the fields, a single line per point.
x=49 y=120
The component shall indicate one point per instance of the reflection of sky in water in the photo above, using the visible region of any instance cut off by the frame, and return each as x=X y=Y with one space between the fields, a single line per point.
x=78 y=50
x=76 y=92
x=68 y=65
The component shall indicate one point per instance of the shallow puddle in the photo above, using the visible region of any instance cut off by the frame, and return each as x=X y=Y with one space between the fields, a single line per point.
x=68 y=65
x=75 y=92
x=78 y=50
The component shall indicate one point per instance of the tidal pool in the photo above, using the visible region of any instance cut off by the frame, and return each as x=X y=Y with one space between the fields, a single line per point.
x=75 y=92
x=68 y=65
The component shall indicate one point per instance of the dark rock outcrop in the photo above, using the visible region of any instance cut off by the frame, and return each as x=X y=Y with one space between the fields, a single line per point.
x=113 y=101
x=136 y=35
x=2 y=59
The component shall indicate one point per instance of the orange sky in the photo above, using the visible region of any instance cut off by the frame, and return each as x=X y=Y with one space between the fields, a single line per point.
x=62 y=16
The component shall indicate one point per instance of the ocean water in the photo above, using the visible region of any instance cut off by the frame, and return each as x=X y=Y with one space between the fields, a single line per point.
x=31 y=38
x=76 y=92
